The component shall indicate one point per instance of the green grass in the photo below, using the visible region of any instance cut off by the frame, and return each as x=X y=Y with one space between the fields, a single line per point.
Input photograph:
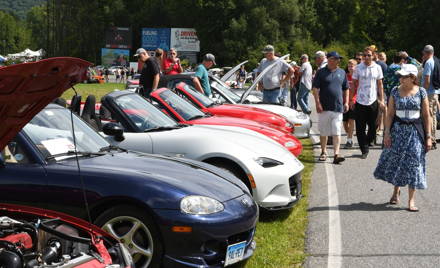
x=98 y=90
x=281 y=235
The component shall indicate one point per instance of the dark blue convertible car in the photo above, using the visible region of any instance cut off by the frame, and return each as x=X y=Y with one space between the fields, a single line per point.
x=167 y=211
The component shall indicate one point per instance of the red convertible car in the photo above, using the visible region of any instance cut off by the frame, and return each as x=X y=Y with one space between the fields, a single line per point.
x=184 y=112
x=233 y=110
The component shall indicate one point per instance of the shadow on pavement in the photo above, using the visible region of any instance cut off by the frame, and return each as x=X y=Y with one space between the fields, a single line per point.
x=361 y=206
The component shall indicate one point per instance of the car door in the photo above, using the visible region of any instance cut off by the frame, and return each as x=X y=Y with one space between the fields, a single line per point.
x=23 y=178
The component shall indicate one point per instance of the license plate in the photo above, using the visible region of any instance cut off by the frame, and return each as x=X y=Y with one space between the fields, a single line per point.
x=235 y=253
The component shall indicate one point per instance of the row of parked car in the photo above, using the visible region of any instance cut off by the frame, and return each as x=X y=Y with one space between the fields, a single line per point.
x=171 y=183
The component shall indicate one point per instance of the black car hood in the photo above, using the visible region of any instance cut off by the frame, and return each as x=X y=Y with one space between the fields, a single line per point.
x=182 y=176
x=25 y=89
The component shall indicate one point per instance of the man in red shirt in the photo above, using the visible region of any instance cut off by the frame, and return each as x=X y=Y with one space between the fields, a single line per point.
x=171 y=65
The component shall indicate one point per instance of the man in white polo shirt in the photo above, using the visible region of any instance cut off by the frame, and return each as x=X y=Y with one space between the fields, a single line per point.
x=367 y=78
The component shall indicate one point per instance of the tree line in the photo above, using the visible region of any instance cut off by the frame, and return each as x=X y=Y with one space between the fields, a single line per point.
x=233 y=30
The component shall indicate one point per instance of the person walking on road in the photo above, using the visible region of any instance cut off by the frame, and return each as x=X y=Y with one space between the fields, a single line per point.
x=407 y=137
x=391 y=79
x=305 y=85
x=428 y=72
x=150 y=72
x=201 y=79
x=330 y=90
x=349 y=116
x=273 y=80
x=367 y=78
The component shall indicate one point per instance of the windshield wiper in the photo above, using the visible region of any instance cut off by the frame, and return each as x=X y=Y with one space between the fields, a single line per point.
x=111 y=148
x=73 y=153
x=196 y=117
x=162 y=128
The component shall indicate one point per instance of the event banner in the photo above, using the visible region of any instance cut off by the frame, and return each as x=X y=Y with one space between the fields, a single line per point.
x=115 y=57
x=185 y=39
x=153 y=38
x=118 y=37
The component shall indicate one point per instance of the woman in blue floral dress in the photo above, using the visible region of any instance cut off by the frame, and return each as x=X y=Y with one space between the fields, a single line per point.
x=407 y=137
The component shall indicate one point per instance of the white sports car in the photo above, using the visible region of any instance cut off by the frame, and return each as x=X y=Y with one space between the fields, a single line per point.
x=270 y=171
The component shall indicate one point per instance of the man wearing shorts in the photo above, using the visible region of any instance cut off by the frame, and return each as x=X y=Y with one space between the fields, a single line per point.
x=330 y=90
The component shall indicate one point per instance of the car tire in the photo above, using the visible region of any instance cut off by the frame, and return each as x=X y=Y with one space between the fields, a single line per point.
x=236 y=171
x=137 y=231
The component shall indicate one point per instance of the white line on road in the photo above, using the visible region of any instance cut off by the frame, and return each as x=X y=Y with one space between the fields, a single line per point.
x=334 y=259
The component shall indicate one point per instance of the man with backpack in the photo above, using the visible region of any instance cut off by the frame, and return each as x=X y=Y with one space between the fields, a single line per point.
x=431 y=82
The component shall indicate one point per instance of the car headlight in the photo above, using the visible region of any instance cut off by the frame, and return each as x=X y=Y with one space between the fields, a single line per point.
x=289 y=144
x=267 y=162
x=200 y=205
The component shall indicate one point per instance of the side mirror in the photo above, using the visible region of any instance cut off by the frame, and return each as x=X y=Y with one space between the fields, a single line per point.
x=114 y=130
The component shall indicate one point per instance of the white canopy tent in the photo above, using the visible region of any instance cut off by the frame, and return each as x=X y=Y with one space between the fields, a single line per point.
x=27 y=55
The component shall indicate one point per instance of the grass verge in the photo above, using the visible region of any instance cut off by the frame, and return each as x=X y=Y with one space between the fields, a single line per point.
x=281 y=235
x=98 y=90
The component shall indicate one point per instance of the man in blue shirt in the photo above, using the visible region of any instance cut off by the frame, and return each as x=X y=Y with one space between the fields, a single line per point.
x=426 y=82
x=201 y=79
x=330 y=89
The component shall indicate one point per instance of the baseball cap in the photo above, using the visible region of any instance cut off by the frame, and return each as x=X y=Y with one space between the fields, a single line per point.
x=334 y=54
x=268 y=49
x=428 y=48
x=139 y=51
x=209 y=57
x=407 y=69
x=319 y=54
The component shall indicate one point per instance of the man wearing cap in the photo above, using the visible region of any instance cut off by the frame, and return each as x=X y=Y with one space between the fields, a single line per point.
x=330 y=90
x=201 y=79
x=305 y=84
x=273 y=80
x=367 y=78
x=426 y=82
x=150 y=73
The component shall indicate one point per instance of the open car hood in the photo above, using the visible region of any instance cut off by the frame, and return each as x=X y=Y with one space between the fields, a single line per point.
x=25 y=89
x=232 y=71
x=259 y=77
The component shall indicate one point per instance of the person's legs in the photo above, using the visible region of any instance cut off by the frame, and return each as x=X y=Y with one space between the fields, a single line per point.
x=303 y=97
x=372 y=114
x=323 y=141
x=411 y=199
x=283 y=96
x=271 y=96
x=361 y=125
x=350 y=129
x=336 y=136
x=396 y=194
x=293 y=103
x=433 y=108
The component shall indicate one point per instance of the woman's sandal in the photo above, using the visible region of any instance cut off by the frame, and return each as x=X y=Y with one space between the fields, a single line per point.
x=323 y=157
x=413 y=209
x=395 y=199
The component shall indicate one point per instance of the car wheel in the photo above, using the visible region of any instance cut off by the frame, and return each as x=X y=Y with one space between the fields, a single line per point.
x=236 y=171
x=137 y=231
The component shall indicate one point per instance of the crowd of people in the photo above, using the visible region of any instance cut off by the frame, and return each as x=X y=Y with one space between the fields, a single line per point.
x=151 y=68
x=371 y=98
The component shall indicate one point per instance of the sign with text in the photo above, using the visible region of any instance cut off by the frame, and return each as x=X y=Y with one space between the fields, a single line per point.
x=115 y=57
x=118 y=37
x=185 y=39
x=153 y=38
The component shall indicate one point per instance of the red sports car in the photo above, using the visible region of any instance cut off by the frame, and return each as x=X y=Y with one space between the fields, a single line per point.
x=233 y=110
x=184 y=112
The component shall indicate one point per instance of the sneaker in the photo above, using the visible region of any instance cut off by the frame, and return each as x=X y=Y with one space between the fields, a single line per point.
x=338 y=159
x=348 y=145
x=364 y=155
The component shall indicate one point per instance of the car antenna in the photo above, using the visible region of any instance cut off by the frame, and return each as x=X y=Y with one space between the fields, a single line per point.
x=83 y=187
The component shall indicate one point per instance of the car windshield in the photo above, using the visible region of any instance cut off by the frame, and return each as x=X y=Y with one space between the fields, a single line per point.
x=181 y=106
x=51 y=131
x=207 y=102
x=143 y=113
x=224 y=89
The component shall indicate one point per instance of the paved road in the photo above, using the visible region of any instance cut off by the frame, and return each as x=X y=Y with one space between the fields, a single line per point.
x=359 y=228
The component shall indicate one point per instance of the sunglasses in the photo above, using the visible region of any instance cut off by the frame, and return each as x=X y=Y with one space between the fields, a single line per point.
x=368 y=55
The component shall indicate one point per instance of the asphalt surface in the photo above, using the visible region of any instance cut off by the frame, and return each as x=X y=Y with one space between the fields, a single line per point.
x=372 y=232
